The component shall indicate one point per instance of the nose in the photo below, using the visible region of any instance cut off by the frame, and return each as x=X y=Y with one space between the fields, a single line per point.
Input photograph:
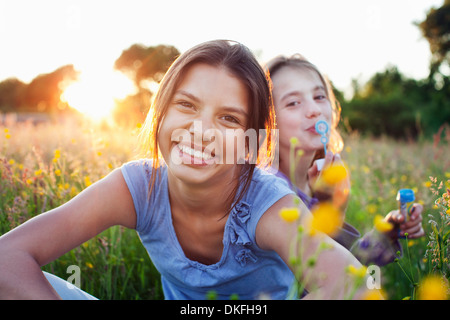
x=200 y=129
x=312 y=110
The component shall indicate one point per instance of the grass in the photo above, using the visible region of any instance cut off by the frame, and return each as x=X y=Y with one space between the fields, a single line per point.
x=43 y=166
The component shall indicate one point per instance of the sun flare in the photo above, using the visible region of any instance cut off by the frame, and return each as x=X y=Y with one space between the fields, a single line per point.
x=94 y=94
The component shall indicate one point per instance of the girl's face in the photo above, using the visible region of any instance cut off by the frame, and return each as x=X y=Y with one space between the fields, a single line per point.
x=206 y=111
x=300 y=101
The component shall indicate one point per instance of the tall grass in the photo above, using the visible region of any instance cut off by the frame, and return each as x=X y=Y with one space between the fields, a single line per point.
x=43 y=166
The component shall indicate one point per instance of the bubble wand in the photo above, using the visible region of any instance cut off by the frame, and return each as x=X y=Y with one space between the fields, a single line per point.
x=322 y=129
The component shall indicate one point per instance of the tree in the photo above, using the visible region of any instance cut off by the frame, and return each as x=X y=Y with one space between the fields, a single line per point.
x=11 y=94
x=43 y=93
x=141 y=63
x=436 y=29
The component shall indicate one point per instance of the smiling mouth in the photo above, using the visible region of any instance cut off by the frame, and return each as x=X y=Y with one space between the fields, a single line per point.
x=195 y=156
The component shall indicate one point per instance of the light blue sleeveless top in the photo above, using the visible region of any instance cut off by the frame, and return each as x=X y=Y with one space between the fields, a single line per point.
x=244 y=269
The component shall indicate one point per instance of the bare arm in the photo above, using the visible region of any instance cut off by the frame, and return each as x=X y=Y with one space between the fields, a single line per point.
x=45 y=237
x=327 y=278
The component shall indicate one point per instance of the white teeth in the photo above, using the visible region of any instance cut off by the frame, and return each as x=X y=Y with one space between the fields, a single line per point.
x=195 y=153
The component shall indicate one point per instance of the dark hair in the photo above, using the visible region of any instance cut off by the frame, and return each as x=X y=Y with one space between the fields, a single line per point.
x=241 y=63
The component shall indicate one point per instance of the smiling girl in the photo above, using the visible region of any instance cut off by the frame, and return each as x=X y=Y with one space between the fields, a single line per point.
x=207 y=226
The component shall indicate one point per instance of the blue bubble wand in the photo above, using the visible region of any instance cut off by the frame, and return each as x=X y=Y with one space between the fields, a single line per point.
x=322 y=129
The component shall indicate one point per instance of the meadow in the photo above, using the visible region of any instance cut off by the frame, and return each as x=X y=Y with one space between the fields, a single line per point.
x=43 y=166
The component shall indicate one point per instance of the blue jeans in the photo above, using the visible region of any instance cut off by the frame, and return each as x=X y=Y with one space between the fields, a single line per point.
x=66 y=290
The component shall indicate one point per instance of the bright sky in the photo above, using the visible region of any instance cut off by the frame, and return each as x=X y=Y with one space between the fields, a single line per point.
x=346 y=39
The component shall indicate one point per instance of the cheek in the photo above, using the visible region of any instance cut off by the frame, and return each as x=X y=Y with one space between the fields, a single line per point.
x=327 y=113
x=166 y=135
x=288 y=124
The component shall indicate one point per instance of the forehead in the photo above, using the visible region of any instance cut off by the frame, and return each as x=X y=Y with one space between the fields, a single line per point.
x=289 y=76
x=208 y=83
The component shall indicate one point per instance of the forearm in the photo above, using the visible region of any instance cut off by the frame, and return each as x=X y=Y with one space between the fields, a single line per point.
x=328 y=278
x=21 y=278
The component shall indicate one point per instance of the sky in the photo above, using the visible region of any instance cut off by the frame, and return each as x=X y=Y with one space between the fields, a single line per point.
x=347 y=39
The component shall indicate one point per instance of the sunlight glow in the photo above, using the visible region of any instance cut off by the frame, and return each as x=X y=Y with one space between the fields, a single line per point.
x=95 y=93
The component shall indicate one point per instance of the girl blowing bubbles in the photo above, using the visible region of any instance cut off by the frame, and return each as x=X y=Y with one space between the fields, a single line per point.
x=207 y=226
x=302 y=97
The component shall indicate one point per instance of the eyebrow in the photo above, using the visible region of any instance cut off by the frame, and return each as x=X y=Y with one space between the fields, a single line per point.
x=187 y=94
x=299 y=93
x=224 y=108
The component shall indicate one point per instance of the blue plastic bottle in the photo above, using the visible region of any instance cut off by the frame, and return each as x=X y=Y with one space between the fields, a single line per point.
x=405 y=197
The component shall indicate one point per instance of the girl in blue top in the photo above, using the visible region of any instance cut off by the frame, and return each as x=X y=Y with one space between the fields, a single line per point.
x=207 y=224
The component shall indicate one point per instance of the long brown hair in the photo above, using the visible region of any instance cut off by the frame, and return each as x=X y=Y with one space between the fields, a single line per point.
x=241 y=63
x=335 y=143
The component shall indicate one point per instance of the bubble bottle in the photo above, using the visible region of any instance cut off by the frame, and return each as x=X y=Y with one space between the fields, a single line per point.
x=405 y=198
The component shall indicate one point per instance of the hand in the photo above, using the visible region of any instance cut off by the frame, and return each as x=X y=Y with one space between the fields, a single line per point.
x=338 y=192
x=413 y=226
x=314 y=172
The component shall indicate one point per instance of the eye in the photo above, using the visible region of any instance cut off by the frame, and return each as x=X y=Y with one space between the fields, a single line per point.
x=185 y=105
x=293 y=103
x=320 y=97
x=231 y=119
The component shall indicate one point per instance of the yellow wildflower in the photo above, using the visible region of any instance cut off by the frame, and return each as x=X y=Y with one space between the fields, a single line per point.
x=29 y=181
x=89 y=265
x=373 y=295
x=7 y=136
x=432 y=288
x=37 y=173
x=365 y=169
x=372 y=208
x=73 y=192
x=11 y=162
x=6 y=130
x=334 y=174
x=427 y=184
x=290 y=214
x=358 y=272
x=294 y=141
x=381 y=225
x=57 y=172
x=57 y=154
x=326 y=218
x=87 y=181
